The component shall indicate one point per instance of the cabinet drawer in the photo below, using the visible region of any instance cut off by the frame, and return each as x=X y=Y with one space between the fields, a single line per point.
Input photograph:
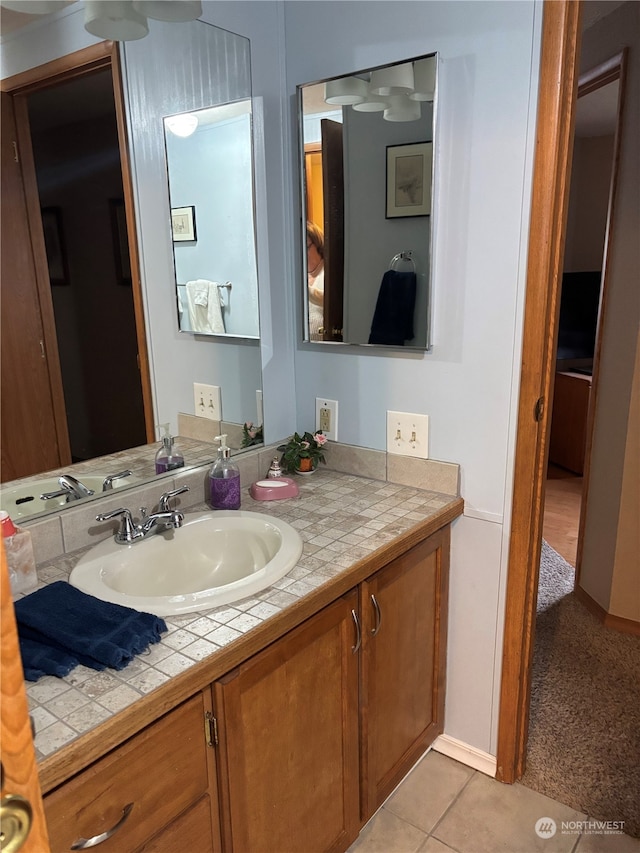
x=162 y=771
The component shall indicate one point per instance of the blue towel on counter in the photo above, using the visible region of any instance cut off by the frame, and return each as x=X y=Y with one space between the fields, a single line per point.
x=73 y=624
x=393 y=316
x=39 y=660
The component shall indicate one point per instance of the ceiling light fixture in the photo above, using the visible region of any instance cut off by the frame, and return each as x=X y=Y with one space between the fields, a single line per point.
x=182 y=124
x=117 y=20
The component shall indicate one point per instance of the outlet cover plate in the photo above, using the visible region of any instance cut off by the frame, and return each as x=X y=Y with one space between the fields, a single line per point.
x=207 y=401
x=327 y=417
x=408 y=434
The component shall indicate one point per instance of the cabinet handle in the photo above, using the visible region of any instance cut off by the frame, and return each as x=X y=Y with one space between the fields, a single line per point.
x=376 y=608
x=355 y=648
x=84 y=843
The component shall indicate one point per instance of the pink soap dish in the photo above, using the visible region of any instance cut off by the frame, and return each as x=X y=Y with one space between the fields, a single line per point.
x=275 y=489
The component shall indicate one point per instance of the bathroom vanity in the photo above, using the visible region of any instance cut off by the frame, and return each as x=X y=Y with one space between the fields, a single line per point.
x=289 y=737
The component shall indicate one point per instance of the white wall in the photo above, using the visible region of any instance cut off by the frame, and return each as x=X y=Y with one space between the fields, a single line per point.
x=468 y=384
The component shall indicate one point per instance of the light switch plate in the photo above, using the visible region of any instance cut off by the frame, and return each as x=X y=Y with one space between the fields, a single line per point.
x=207 y=402
x=408 y=434
x=327 y=417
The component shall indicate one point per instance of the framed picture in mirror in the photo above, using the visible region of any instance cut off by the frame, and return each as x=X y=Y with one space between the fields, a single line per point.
x=409 y=179
x=183 y=224
x=120 y=241
x=54 y=245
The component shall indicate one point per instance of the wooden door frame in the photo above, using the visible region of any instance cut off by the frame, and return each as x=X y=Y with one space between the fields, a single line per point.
x=104 y=55
x=550 y=196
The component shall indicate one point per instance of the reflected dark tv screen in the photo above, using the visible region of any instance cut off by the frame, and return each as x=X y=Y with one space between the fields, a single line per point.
x=579 y=302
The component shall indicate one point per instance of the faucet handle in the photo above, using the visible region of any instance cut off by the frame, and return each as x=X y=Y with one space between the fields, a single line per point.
x=127 y=530
x=107 y=485
x=166 y=497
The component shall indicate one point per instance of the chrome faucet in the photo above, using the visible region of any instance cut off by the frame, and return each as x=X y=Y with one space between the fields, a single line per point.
x=108 y=481
x=164 y=519
x=70 y=488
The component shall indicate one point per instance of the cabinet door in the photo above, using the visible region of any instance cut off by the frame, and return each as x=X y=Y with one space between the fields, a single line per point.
x=404 y=609
x=138 y=788
x=288 y=733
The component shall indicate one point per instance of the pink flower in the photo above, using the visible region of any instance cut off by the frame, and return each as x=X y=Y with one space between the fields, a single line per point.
x=304 y=445
x=320 y=439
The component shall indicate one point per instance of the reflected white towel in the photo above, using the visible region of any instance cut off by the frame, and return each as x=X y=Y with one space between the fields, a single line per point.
x=205 y=307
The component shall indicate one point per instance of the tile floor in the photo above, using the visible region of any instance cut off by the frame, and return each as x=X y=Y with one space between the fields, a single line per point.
x=444 y=806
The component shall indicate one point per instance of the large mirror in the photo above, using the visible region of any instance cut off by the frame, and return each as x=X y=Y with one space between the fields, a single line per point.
x=209 y=166
x=164 y=75
x=367 y=167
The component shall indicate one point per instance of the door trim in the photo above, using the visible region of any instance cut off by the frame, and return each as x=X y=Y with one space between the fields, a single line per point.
x=102 y=55
x=552 y=172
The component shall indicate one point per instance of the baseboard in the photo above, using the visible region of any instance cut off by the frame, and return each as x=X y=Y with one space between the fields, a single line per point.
x=609 y=620
x=466 y=754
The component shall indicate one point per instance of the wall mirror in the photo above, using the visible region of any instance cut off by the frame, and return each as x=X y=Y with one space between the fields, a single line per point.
x=165 y=75
x=210 y=174
x=367 y=168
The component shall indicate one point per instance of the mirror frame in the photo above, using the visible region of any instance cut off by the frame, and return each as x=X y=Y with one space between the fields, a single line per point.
x=431 y=230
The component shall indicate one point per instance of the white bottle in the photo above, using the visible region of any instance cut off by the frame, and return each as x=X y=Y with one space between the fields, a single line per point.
x=20 y=560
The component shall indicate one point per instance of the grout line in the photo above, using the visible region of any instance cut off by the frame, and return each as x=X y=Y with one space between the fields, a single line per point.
x=448 y=809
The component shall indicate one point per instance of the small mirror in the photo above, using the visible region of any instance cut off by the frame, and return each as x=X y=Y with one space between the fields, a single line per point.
x=210 y=169
x=367 y=169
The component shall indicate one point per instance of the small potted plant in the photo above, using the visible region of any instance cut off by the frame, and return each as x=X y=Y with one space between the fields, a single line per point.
x=303 y=453
x=251 y=435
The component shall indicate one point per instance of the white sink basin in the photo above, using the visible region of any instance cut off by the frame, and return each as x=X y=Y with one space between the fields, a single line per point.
x=215 y=558
x=23 y=500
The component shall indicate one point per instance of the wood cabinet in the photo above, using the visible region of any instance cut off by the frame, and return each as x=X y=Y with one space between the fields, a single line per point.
x=141 y=787
x=312 y=733
x=288 y=731
x=364 y=677
x=404 y=613
x=568 y=438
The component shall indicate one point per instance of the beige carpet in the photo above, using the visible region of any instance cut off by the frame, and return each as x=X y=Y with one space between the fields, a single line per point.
x=584 y=730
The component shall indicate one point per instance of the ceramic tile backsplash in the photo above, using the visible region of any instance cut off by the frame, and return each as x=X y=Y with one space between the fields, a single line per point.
x=76 y=527
x=361 y=461
x=201 y=429
x=46 y=537
x=423 y=473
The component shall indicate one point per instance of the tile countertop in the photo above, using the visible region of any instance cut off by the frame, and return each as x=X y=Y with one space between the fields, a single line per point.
x=341 y=519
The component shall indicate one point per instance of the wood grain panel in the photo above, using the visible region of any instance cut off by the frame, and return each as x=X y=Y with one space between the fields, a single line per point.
x=18 y=756
x=403 y=667
x=291 y=713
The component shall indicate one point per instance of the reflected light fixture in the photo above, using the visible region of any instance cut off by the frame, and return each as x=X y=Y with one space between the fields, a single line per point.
x=372 y=104
x=424 y=76
x=34 y=7
x=402 y=109
x=116 y=20
x=182 y=124
x=393 y=80
x=345 y=91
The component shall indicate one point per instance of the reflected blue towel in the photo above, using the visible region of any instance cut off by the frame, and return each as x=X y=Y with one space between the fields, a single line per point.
x=93 y=632
x=393 y=316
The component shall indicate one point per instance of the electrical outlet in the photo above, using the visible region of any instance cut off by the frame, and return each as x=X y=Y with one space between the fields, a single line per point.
x=408 y=435
x=327 y=417
x=207 y=402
